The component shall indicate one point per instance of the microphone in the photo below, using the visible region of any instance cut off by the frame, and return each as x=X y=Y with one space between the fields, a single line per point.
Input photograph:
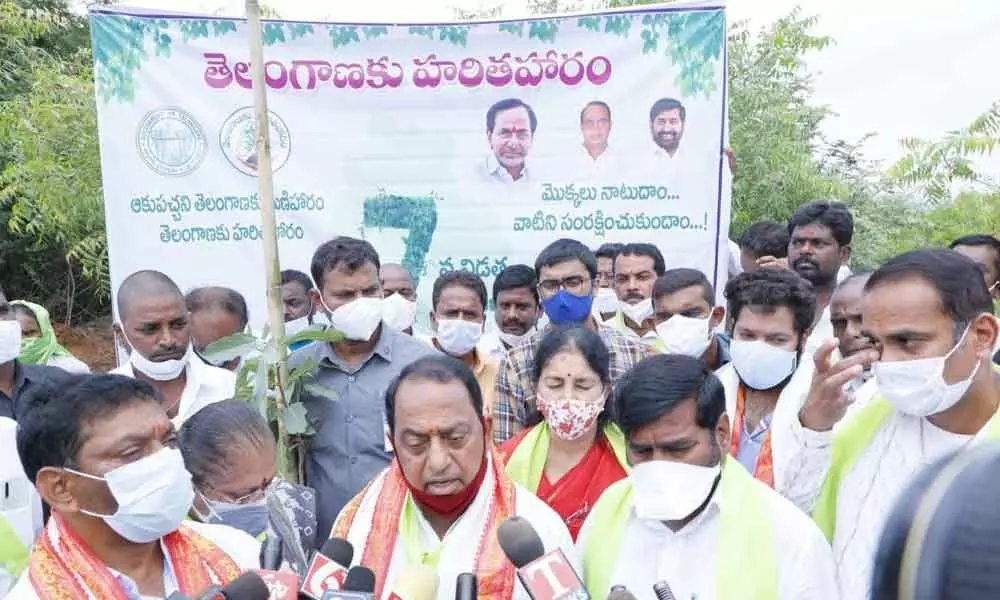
x=328 y=568
x=415 y=583
x=358 y=585
x=466 y=587
x=248 y=586
x=544 y=576
x=286 y=531
x=618 y=592
x=663 y=592
x=270 y=551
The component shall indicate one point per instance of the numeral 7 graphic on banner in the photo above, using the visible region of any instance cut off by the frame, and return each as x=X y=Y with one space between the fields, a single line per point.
x=417 y=215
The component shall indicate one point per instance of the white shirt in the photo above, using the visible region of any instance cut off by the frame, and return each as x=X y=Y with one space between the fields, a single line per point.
x=900 y=449
x=822 y=331
x=493 y=172
x=490 y=346
x=606 y=163
x=20 y=504
x=240 y=547
x=687 y=559
x=205 y=385
x=70 y=364
x=458 y=548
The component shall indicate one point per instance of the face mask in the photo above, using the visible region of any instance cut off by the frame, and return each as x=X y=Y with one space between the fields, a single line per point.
x=251 y=518
x=638 y=312
x=511 y=339
x=685 y=335
x=10 y=340
x=165 y=370
x=297 y=326
x=565 y=307
x=358 y=319
x=570 y=418
x=398 y=312
x=760 y=365
x=458 y=337
x=666 y=490
x=917 y=387
x=153 y=494
x=606 y=301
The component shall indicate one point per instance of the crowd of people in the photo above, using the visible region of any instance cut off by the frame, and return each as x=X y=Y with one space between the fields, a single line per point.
x=751 y=448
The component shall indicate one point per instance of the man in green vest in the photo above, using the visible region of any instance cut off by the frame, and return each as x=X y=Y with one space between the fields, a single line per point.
x=688 y=515
x=929 y=315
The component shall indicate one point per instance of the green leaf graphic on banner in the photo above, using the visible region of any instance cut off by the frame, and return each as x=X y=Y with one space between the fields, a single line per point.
x=618 y=24
x=417 y=215
x=544 y=31
x=513 y=28
x=375 y=31
x=454 y=34
x=591 y=23
x=272 y=33
x=342 y=35
x=427 y=32
x=694 y=42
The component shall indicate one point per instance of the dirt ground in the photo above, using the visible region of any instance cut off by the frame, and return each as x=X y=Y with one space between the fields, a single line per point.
x=92 y=343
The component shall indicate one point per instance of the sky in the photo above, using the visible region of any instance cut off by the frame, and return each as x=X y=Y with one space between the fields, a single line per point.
x=899 y=68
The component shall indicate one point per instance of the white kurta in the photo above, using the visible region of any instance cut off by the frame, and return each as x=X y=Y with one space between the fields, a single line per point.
x=458 y=548
x=867 y=494
x=790 y=401
x=205 y=385
x=242 y=548
x=687 y=559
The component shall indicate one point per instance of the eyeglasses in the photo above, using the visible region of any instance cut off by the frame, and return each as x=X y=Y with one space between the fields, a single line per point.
x=574 y=284
x=255 y=496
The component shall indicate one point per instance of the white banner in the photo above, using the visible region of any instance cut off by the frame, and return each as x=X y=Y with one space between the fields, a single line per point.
x=448 y=146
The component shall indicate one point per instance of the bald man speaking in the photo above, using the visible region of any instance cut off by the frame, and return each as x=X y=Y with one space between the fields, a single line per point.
x=155 y=327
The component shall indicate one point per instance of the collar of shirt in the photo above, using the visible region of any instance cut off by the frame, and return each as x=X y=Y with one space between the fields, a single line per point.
x=663 y=154
x=478 y=365
x=497 y=171
x=132 y=589
x=386 y=337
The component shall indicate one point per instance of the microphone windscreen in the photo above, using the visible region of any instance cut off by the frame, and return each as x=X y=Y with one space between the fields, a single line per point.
x=338 y=550
x=360 y=579
x=520 y=541
x=248 y=586
x=620 y=593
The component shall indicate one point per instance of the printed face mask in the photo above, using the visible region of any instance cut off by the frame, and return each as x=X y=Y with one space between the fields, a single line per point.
x=760 y=365
x=638 y=313
x=458 y=337
x=666 y=490
x=685 y=335
x=398 y=312
x=917 y=387
x=10 y=340
x=570 y=418
x=358 y=319
x=153 y=494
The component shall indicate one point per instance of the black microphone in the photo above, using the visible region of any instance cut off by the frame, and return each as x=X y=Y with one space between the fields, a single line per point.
x=544 y=576
x=619 y=592
x=358 y=585
x=663 y=591
x=466 y=587
x=248 y=586
x=328 y=568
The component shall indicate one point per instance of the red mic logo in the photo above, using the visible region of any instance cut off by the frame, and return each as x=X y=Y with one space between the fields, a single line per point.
x=323 y=574
x=281 y=584
x=552 y=577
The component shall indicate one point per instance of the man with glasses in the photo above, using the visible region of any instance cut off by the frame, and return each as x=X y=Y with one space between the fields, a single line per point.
x=637 y=267
x=566 y=271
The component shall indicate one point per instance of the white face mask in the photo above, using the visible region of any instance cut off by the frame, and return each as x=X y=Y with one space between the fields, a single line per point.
x=685 y=335
x=398 y=312
x=358 y=319
x=760 y=365
x=512 y=339
x=638 y=312
x=666 y=490
x=605 y=302
x=458 y=337
x=164 y=370
x=917 y=387
x=10 y=340
x=297 y=326
x=153 y=494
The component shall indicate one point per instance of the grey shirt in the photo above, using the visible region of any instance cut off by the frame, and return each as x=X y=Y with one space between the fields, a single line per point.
x=349 y=447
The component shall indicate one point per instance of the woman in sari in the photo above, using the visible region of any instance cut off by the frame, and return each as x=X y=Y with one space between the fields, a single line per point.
x=572 y=451
x=39 y=345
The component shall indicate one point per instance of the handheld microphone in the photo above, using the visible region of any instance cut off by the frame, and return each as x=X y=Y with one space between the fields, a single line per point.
x=663 y=592
x=619 y=592
x=415 y=583
x=544 y=576
x=466 y=587
x=358 y=585
x=293 y=551
x=248 y=586
x=281 y=585
x=328 y=568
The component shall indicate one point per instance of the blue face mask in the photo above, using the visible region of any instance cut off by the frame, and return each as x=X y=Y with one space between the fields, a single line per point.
x=249 y=518
x=565 y=307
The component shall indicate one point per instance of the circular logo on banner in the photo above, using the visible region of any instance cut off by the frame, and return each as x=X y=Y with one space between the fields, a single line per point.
x=238 y=139
x=170 y=141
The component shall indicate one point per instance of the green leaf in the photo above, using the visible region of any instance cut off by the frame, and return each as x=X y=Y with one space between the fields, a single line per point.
x=314 y=335
x=230 y=347
x=296 y=420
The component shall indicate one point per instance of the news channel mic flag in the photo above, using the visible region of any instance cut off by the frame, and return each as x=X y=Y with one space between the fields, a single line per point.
x=448 y=146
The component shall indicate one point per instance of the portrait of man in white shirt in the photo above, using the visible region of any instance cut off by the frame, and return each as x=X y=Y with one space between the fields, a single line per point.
x=510 y=132
x=595 y=129
x=666 y=125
